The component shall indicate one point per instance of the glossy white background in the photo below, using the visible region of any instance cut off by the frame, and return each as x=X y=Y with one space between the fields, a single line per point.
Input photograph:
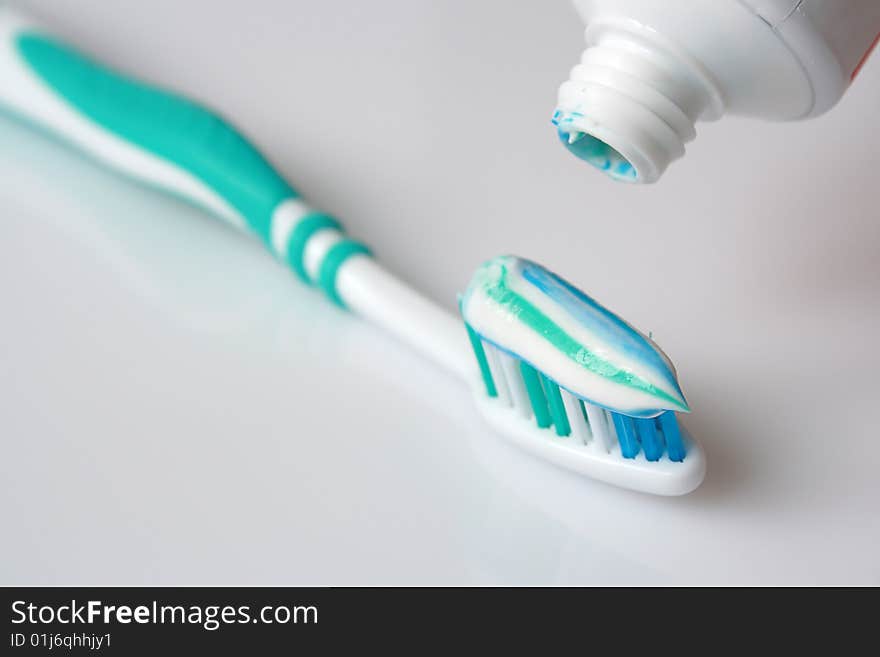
x=176 y=409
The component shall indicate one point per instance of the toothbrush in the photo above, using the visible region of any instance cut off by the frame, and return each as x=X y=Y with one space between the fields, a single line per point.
x=550 y=368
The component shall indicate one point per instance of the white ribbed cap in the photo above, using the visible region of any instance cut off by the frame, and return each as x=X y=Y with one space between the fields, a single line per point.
x=629 y=108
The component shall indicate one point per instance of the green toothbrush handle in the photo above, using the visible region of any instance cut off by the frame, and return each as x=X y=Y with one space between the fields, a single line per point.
x=173 y=143
x=158 y=137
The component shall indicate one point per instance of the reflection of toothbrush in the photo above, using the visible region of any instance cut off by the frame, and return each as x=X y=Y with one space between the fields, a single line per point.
x=175 y=144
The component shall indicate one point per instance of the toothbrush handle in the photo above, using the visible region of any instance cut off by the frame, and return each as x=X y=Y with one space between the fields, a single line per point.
x=173 y=143
x=152 y=135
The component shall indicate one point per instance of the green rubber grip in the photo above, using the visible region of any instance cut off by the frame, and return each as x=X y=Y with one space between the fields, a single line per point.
x=169 y=126
x=170 y=141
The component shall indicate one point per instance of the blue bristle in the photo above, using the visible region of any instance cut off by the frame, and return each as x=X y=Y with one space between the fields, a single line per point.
x=672 y=434
x=652 y=443
x=626 y=435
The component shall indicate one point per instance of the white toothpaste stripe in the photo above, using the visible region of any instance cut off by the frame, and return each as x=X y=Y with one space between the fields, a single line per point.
x=586 y=337
x=482 y=316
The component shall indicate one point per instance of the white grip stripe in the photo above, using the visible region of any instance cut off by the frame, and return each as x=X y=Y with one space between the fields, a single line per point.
x=317 y=248
x=284 y=220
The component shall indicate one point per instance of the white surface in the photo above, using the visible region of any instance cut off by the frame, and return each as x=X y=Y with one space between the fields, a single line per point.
x=370 y=291
x=176 y=407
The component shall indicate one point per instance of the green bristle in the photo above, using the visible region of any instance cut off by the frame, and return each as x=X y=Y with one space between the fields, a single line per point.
x=557 y=408
x=536 y=394
x=480 y=353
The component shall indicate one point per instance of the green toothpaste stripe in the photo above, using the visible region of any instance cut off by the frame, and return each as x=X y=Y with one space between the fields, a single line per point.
x=532 y=317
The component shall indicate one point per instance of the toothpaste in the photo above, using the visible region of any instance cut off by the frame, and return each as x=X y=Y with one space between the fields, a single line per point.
x=536 y=316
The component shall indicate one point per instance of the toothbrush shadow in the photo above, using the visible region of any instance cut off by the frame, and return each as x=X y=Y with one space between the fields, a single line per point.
x=729 y=468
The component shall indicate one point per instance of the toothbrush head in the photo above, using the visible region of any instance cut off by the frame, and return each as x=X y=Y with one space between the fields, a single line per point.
x=572 y=382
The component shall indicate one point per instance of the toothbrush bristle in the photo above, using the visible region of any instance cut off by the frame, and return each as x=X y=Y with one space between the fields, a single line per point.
x=536 y=395
x=527 y=391
x=646 y=430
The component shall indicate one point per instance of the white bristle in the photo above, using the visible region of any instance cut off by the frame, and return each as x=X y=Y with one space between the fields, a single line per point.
x=612 y=430
x=516 y=384
x=579 y=429
x=501 y=387
x=602 y=438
